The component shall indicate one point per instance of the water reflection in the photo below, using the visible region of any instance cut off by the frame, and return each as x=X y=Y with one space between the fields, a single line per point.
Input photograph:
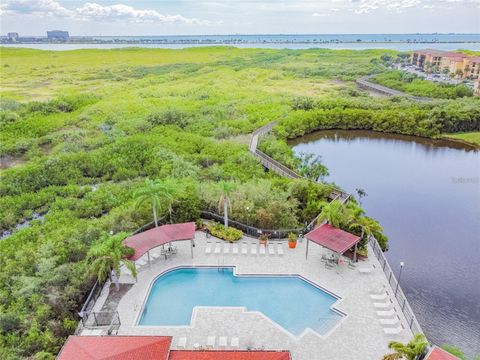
x=426 y=194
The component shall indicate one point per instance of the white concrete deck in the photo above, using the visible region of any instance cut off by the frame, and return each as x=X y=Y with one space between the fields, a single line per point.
x=359 y=335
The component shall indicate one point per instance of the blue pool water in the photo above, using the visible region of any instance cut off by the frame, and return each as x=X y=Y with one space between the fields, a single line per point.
x=290 y=301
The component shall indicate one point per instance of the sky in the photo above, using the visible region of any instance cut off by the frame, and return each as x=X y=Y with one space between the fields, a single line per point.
x=202 y=17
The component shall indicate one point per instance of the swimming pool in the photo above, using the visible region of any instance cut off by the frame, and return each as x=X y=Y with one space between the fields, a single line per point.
x=289 y=301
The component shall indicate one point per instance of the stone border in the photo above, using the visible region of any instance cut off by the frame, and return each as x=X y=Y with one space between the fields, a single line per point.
x=307 y=330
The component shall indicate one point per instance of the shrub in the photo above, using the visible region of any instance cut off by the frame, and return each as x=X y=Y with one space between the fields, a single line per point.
x=230 y=234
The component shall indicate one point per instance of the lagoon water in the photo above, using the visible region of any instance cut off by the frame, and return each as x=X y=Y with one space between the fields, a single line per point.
x=426 y=194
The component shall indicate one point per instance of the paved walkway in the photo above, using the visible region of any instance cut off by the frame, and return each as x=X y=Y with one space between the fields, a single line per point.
x=358 y=336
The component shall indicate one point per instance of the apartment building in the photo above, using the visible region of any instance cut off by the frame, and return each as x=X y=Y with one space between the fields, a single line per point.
x=461 y=65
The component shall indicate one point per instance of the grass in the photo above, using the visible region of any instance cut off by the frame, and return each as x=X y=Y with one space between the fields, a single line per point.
x=470 y=137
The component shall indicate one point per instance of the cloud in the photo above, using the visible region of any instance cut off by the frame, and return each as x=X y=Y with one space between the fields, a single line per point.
x=90 y=11
x=129 y=13
x=320 y=15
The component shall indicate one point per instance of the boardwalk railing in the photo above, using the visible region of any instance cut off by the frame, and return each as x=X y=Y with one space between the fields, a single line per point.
x=365 y=84
x=275 y=166
x=398 y=292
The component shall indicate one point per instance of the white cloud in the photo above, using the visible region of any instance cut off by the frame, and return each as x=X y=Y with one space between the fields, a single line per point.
x=320 y=15
x=92 y=11
x=125 y=12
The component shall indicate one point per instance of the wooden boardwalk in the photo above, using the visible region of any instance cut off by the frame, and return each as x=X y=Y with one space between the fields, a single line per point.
x=365 y=84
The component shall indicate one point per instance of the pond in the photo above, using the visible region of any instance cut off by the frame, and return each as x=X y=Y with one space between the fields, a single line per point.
x=426 y=194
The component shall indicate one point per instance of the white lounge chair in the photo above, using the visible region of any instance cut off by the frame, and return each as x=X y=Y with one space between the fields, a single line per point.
x=386 y=313
x=208 y=249
x=141 y=262
x=226 y=249
x=393 y=331
x=382 y=305
x=235 y=249
x=253 y=249
x=211 y=342
x=217 y=248
x=379 y=297
x=182 y=342
x=279 y=249
x=364 y=270
x=222 y=342
x=392 y=321
x=261 y=250
x=244 y=249
x=376 y=290
x=155 y=254
x=271 y=250
x=234 y=343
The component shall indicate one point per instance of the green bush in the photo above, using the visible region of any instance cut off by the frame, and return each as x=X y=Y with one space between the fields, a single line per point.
x=230 y=234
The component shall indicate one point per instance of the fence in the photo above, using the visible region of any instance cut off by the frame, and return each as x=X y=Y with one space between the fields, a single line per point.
x=91 y=299
x=250 y=230
x=398 y=292
x=102 y=318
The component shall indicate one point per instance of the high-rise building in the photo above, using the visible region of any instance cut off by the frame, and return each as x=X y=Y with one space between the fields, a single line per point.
x=58 y=35
x=12 y=36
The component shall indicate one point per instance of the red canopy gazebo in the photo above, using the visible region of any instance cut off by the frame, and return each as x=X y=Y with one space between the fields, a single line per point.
x=145 y=241
x=333 y=238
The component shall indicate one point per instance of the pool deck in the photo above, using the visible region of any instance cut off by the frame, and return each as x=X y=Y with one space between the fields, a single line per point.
x=359 y=335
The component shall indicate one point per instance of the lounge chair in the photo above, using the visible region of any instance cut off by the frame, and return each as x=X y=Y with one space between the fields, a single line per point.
x=208 y=249
x=244 y=249
x=222 y=342
x=364 y=270
x=392 y=321
x=379 y=297
x=155 y=254
x=271 y=250
x=182 y=342
x=382 y=305
x=234 y=343
x=217 y=248
x=324 y=258
x=279 y=249
x=235 y=249
x=226 y=249
x=253 y=249
x=211 y=342
x=141 y=262
x=376 y=290
x=261 y=250
x=386 y=313
x=393 y=331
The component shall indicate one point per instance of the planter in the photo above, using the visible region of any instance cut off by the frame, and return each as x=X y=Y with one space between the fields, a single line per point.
x=292 y=240
x=292 y=244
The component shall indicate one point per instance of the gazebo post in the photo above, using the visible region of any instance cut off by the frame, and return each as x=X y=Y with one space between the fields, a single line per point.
x=148 y=255
x=191 y=247
x=306 y=253
x=355 y=253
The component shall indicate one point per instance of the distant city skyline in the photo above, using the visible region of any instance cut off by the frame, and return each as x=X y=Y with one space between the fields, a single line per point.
x=207 y=17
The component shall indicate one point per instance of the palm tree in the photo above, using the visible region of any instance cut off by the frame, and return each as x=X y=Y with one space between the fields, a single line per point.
x=334 y=213
x=108 y=254
x=410 y=351
x=226 y=189
x=157 y=191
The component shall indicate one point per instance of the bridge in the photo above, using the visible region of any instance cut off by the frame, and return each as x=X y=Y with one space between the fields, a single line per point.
x=365 y=84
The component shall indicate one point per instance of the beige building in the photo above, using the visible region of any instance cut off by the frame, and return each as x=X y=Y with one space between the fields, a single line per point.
x=461 y=65
x=476 y=87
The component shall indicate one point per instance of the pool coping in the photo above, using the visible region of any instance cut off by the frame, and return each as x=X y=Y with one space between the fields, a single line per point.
x=307 y=330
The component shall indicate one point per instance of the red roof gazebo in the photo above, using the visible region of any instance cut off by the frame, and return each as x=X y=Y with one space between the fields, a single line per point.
x=145 y=241
x=333 y=238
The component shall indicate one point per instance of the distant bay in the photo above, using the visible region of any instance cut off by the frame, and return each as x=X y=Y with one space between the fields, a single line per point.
x=400 y=42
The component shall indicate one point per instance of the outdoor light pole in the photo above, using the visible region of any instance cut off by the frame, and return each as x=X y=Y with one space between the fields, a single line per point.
x=402 y=264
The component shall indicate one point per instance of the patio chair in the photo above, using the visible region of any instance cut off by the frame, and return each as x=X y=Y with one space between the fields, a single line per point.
x=392 y=321
x=382 y=305
x=279 y=249
x=141 y=262
x=386 y=313
x=226 y=249
x=217 y=248
x=352 y=265
x=393 y=331
x=208 y=249
x=244 y=249
x=324 y=258
x=253 y=249
x=262 y=250
x=222 y=342
x=328 y=265
x=211 y=342
x=182 y=342
x=379 y=297
x=235 y=249
x=271 y=250
x=234 y=343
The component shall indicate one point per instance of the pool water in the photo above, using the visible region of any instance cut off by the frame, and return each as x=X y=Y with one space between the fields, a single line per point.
x=289 y=301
